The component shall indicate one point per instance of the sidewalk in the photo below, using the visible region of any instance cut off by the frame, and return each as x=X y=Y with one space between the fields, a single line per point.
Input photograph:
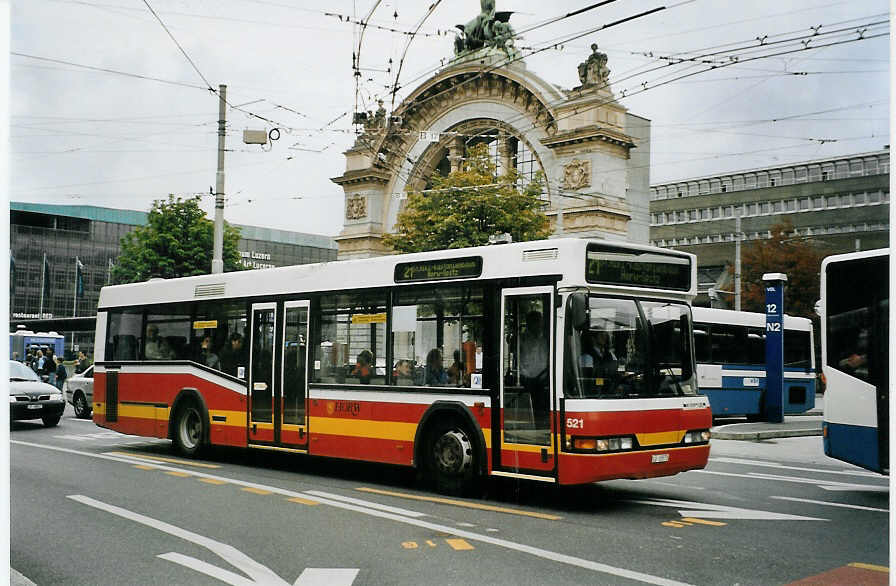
x=805 y=424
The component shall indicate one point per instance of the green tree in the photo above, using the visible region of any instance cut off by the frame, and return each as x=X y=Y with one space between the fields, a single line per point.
x=177 y=241
x=799 y=259
x=469 y=205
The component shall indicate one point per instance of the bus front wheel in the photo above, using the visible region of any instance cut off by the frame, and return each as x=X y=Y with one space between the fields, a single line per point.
x=450 y=458
x=189 y=430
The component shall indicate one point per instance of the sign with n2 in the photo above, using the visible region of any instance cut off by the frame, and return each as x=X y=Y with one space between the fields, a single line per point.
x=773 y=399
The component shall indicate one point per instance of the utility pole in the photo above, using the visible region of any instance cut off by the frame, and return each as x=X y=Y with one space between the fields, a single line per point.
x=218 y=258
x=737 y=264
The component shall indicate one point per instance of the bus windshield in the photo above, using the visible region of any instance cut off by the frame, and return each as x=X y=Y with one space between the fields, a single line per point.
x=631 y=349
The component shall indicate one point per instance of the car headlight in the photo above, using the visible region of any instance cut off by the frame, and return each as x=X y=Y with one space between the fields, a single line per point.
x=55 y=396
x=12 y=399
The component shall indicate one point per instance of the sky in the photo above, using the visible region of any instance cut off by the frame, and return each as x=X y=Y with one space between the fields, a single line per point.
x=109 y=102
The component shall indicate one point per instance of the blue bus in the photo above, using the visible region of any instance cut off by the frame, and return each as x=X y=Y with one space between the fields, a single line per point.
x=855 y=305
x=21 y=341
x=730 y=352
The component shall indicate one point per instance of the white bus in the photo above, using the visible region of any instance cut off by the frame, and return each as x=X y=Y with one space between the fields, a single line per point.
x=855 y=305
x=565 y=361
x=730 y=350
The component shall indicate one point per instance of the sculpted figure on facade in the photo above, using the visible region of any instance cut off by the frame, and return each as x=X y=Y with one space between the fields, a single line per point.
x=594 y=70
x=356 y=208
x=489 y=29
x=576 y=174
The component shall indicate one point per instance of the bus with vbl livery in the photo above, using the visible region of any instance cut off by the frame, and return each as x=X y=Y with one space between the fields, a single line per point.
x=855 y=343
x=566 y=361
x=730 y=351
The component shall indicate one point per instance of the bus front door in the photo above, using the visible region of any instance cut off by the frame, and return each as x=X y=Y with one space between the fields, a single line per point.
x=526 y=391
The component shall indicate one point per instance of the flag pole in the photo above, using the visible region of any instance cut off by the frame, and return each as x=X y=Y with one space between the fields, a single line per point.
x=75 y=294
x=43 y=275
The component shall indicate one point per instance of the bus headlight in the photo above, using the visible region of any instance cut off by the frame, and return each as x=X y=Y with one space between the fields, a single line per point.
x=604 y=444
x=696 y=437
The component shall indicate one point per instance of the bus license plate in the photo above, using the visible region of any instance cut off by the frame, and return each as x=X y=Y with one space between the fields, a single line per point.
x=659 y=458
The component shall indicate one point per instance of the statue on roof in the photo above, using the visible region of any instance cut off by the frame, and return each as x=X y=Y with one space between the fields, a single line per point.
x=594 y=70
x=489 y=29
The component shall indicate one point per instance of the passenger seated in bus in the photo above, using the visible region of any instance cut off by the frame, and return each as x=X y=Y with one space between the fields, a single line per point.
x=155 y=347
x=456 y=370
x=363 y=369
x=403 y=375
x=206 y=356
x=434 y=374
x=234 y=357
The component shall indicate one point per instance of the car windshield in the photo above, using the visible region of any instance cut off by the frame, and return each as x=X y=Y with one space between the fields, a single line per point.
x=18 y=371
x=631 y=349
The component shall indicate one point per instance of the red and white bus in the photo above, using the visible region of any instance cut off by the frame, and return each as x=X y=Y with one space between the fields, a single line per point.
x=566 y=361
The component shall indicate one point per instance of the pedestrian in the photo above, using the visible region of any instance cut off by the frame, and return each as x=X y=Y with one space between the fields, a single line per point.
x=61 y=373
x=50 y=366
x=38 y=364
x=82 y=364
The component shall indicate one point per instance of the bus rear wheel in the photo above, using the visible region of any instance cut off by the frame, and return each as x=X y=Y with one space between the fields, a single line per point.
x=450 y=458
x=189 y=428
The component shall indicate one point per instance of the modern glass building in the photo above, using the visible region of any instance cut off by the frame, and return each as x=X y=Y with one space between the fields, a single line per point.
x=840 y=203
x=92 y=235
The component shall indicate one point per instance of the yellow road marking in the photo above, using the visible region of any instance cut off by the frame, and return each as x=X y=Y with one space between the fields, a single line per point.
x=212 y=481
x=705 y=522
x=160 y=459
x=869 y=567
x=458 y=503
x=458 y=544
x=409 y=544
x=430 y=543
x=176 y=473
x=302 y=501
x=144 y=467
x=254 y=490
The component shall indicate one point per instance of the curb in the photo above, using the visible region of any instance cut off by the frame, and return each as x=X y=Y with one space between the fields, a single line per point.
x=761 y=435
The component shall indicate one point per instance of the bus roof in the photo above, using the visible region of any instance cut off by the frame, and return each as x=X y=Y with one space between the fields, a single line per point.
x=746 y=318
x=853 y=256
x=561 y=257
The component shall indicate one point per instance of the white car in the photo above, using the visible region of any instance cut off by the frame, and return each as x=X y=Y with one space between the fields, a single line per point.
x=78 y=390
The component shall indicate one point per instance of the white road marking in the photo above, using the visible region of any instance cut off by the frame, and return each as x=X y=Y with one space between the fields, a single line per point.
x=527 y=549
x=830 y=504
x=825 y=484
x=363 y=503
x=856 y=488
x=257 y=573
x=710 y=511
x=786 y=467
x=327 y=577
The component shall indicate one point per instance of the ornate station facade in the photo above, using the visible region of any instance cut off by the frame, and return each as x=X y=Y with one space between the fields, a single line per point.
x=594 y=154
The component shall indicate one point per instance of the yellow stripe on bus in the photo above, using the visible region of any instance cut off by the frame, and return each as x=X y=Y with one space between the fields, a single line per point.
x=389 y=430
x=660 y=438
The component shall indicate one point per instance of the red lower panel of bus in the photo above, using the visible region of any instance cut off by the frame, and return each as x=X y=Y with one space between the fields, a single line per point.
x=584 y=468
x=145 y=399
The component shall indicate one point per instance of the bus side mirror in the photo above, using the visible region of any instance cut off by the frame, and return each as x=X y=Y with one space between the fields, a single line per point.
x=578 y=311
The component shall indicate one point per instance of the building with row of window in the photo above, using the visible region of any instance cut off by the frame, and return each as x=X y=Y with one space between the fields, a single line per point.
x=840 y=203
x=92 y=235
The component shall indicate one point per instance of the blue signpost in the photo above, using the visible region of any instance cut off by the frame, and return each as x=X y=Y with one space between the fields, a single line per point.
x=773 y=405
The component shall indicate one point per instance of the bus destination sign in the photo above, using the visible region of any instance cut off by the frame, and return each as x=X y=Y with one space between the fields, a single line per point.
x=436 y=270
x=638 y=269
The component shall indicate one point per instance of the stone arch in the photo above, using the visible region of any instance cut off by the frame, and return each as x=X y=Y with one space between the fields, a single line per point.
x=422 y=157
x=578 y=138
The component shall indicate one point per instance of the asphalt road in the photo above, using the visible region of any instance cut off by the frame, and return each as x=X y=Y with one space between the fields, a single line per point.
x=89 y=506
